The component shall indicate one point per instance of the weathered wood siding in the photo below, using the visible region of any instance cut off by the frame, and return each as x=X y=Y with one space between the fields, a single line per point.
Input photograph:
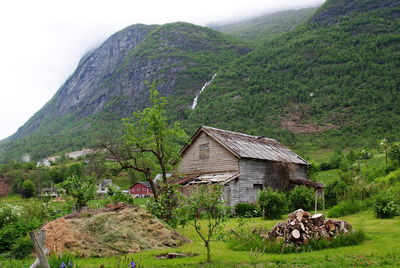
x=198 y=159
x=257 y=174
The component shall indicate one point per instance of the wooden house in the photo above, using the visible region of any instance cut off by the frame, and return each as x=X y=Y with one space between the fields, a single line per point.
x=141 y=189
x=244 y=164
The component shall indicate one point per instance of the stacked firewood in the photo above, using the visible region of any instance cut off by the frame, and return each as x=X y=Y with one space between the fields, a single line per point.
x=301 y=226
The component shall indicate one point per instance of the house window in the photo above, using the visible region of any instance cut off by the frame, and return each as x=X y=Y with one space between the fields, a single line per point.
x=143 y=189
x=258 y=187
x=204 y=151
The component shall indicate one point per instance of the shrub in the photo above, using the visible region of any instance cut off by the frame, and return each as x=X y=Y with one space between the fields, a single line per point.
x=272 y=203
x=346 y=208
x=301 y=197
x=164 y=207
x=385 y=205
x=334 y=192
x=246 y=210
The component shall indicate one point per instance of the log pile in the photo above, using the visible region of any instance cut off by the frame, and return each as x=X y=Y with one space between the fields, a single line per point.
x=301 y=226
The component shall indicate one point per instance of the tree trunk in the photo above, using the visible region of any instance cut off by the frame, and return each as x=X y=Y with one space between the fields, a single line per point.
x=153 y=186
x=207 y=245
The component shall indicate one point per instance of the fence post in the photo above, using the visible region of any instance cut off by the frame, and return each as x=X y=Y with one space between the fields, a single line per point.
x=38 y=245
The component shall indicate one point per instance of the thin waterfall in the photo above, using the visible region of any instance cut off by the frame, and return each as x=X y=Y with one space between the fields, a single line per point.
x=194 y=104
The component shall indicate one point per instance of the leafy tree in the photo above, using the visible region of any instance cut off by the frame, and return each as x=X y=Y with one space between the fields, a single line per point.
x=151 y=144
x=365 y=155
x=28 y=189
x=384 y=147
x=81 y=189
x=203 y=202
x=153 y=135
x=394 y=152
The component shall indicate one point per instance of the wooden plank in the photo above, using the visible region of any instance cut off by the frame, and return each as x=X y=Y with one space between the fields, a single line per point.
x=196 y=158
x=40 y=252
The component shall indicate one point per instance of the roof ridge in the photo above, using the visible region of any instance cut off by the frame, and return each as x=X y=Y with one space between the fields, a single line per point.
x=237 y=133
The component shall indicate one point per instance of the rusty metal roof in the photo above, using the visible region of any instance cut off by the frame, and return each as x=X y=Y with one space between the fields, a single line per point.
x=254 y=147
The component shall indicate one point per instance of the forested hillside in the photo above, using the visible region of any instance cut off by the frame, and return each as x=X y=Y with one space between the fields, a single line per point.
x=112 y=81
x=266 y=26
x=333 y=81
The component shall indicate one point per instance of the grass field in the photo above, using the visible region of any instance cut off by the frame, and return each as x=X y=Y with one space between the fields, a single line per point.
x=380 y=249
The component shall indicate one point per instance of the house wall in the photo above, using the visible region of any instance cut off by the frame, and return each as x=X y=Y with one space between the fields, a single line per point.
x=140 y=189
x=196 y=159
x=258 y=174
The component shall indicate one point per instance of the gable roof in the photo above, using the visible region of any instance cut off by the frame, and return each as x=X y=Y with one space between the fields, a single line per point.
x=145 y=183
x=247 y=146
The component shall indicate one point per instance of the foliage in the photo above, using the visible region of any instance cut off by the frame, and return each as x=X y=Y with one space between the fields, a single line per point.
x=385 y=205
x=301 y=197
x=164 y=207
x=28 y=189
x=152 y=135
x=250 y=241
x=65 y=260
x=246 y=210
x=203 y=202
x=347 y=207
x=116 y=195
x=394 y=152
x=335 y=192
x=272 y=203
x=81 y=189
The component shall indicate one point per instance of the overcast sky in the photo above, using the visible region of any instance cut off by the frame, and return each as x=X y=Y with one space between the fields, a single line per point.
x=43 y=40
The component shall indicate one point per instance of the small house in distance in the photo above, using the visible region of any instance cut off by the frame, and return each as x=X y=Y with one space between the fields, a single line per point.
x=141 y=189
x=244 y=164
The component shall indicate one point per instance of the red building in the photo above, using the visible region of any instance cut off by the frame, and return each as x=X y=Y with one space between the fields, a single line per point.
x=141 y=189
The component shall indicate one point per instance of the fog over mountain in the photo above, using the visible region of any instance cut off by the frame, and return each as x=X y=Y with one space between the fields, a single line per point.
x=60 y=33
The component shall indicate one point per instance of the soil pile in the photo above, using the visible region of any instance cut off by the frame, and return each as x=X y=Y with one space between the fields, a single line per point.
x=117 y=229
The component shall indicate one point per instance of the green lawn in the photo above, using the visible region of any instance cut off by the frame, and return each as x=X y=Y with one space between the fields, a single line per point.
x=380 y=248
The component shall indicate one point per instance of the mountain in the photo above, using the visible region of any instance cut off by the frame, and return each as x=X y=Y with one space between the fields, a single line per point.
x=266 y=26
x=110 y=83
x=333 y=81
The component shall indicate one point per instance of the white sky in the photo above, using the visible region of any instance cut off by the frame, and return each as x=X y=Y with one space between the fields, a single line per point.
x=43 y=40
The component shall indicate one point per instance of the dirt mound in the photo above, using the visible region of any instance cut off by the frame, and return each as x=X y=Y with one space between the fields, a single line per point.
x=109 y=231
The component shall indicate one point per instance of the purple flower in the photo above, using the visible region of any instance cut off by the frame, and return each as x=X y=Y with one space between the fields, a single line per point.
x=63 y=265
x=70 y=264
x=133 y=264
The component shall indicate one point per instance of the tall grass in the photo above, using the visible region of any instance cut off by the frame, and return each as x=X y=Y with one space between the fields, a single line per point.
x=250 y=241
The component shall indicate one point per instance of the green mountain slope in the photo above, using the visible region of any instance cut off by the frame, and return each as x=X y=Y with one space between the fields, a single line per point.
x=266 y=26
x=333 y=81
x=111 y=82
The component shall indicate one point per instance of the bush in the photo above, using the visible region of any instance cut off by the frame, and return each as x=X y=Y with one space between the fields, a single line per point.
x=272 y=203
x=334 y=192
x=385 y=205
x=164 y=207
x=301 y=197
x=346 y=208
x=246 y=210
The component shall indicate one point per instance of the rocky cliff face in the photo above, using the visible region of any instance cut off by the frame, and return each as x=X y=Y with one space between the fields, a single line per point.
x=112 y=81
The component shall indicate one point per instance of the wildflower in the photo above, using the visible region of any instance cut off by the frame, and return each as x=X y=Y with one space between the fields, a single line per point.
x=70 y=264
x=63 y=265
x=133 y=264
